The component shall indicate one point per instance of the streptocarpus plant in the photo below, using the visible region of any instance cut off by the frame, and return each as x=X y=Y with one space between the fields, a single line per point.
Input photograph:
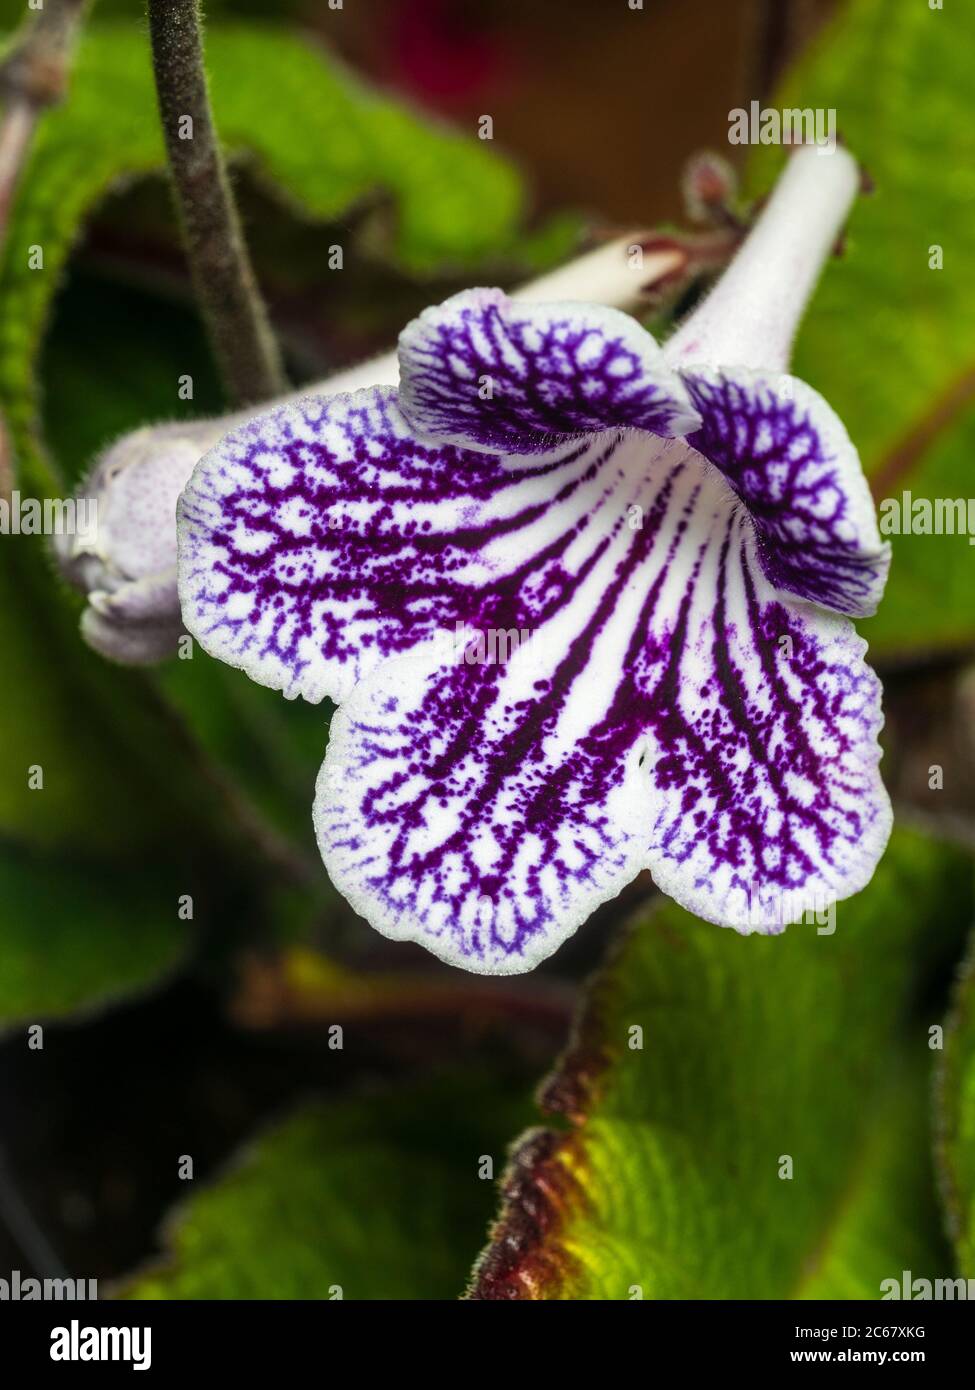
x=679 y=534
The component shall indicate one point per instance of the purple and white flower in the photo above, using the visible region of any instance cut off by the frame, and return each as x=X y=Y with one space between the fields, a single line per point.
x=685 y=532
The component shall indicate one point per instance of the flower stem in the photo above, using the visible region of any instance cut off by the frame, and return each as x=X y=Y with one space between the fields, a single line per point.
x=230 y=300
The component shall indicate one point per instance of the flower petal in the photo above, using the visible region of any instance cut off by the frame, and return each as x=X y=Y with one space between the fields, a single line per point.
x=462 y=807
x=322 y=538
x=654 y=718
x=764 y=719
x=485 y=372
x=486 y=805
x=789 y=459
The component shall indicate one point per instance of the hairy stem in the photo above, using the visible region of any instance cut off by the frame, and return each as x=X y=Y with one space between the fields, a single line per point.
x=227 y=291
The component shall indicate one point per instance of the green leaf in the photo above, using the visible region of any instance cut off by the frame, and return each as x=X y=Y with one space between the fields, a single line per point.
x=956 y=1120
x=887 y=339
x=107 y=781
x=928 y=603
x=378 y=1196
x=307 y=129
x=79 y=933
x=889 y=1219
x=330 y=142
x=104 y=804
x=756 y=1052
x=97 y=772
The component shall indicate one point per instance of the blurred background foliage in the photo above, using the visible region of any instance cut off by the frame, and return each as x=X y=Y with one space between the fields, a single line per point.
x=166 y=1034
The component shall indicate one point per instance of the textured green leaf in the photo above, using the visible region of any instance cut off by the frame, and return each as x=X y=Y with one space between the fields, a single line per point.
x=888 y=340
x=306 y=127
x=889 y=1218
x=956 y=1117
x=331 y=143
x=667 y=1182
x=380 y=1196
x=78 y=933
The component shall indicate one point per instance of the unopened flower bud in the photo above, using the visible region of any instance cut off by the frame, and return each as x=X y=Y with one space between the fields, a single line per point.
x=126 y=565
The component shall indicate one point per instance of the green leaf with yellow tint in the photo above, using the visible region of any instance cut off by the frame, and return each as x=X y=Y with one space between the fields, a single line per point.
x=732 y=1107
